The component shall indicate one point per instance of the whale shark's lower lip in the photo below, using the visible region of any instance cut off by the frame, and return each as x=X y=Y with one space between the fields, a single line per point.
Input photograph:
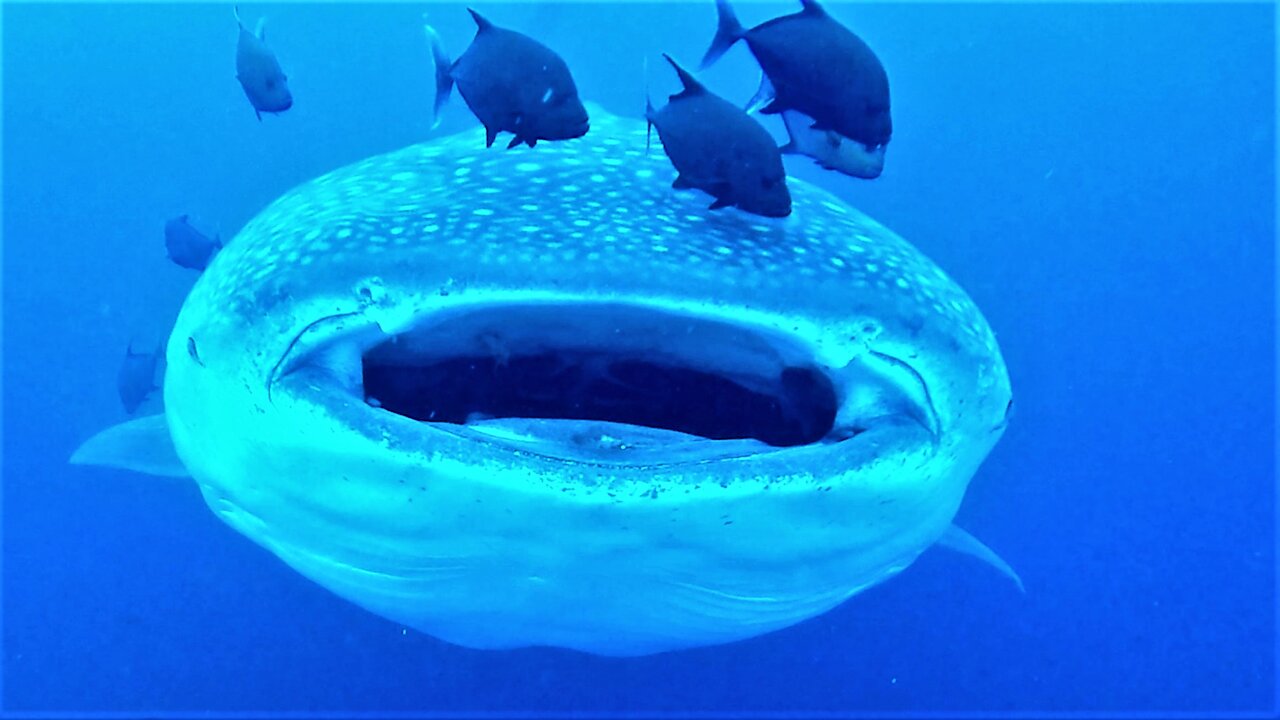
x=602 y=382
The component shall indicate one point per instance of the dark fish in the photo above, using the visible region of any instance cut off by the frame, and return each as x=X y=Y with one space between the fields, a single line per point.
x=719 y=149
x=187 y=246
x=259 y=73
x=512 y=83
x=137 y=377
x=817 y=66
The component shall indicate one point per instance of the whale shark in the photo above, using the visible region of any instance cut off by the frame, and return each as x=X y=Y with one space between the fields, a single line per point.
x=538 y=398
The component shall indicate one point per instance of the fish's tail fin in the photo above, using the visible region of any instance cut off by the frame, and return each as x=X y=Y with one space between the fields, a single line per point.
x=444 y=77
x=236 y=10
x=728 y=32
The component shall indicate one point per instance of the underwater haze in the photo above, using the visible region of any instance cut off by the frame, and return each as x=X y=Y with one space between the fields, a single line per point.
x=1099 y=178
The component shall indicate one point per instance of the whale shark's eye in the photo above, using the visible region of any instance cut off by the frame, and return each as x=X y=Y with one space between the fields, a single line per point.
x=192 y=352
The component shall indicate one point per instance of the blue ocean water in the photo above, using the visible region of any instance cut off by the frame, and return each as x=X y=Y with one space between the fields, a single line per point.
x=1099 y=177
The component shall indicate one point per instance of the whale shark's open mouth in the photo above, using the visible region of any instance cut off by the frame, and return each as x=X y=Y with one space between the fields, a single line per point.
x=592 y=380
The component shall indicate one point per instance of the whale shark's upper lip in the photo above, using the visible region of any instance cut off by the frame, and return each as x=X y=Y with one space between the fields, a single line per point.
x=599 y=382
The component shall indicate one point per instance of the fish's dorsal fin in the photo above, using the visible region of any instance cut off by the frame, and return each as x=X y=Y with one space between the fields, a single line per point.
x=142 y=445
x=962 y=542
x=690 y=83
x=812 y=7
x=482 y=23
x=235 y=9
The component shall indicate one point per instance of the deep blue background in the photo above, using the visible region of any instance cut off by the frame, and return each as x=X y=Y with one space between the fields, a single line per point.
x=1100 y=178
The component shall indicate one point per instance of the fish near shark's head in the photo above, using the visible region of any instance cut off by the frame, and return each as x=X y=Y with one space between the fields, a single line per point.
x=537 y=398
x=264 y=82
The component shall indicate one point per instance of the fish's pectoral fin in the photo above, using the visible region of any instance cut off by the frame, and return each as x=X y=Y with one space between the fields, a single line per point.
x=773 y=108
x=490 y=134
x=962 y=542
x=723 y=199
x=764 y=95
x=142 y=445
x=514 y=142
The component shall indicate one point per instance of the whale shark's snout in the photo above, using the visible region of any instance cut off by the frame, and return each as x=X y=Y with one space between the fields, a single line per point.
x=537 y=398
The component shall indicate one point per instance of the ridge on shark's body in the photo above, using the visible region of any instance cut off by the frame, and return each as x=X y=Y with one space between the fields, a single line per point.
x=539 y=398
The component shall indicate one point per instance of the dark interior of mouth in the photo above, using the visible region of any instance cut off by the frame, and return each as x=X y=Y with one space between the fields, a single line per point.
x=610 y=363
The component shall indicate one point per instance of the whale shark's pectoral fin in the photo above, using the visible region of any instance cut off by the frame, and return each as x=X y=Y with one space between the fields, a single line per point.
x=960 y=541
x=141 y=445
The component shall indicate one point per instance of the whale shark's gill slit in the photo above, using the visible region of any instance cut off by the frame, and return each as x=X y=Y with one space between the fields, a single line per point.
x=638 y=367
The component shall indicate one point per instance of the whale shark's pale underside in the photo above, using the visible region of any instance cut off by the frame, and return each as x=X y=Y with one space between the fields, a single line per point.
x=427 y=381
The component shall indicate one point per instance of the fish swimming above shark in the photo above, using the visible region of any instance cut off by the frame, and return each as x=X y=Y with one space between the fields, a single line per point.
x=719 y=149
x=258 y=71
x=812 y=64
x=512 y=83
x=535 y=398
